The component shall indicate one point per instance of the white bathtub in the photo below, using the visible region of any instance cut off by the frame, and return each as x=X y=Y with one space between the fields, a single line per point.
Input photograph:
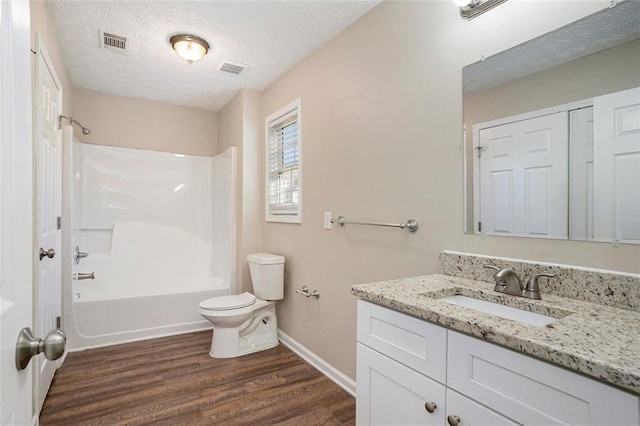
x=158 y=230
x=103 y=322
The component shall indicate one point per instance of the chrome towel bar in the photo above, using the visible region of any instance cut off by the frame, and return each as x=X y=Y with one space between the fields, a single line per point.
x=411 y=225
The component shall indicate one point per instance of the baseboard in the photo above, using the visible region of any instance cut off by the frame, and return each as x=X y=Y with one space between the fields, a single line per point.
x=318 y=363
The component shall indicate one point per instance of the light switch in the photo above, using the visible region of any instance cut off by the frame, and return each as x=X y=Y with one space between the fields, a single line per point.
x=327 y=220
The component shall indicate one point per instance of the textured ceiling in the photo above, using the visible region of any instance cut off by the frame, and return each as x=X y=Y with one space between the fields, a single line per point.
x=602 y=30
x=271 y=37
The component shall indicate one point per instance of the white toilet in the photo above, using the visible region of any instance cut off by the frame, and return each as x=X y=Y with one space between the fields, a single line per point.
x=244 y=323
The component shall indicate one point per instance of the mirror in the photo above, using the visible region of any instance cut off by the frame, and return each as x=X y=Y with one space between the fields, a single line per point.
x=552 y=133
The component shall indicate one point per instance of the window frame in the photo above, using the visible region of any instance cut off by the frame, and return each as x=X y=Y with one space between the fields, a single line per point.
x=272 y=121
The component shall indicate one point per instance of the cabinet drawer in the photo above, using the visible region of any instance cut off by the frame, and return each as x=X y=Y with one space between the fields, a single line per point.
x=389 y=393
x=409 y=340
x=471 y=413
x=531 y=391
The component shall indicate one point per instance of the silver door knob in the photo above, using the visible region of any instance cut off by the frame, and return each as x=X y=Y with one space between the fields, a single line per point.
x=49 y=253
x=430 y=407
x=453 y=420
x=29 y=346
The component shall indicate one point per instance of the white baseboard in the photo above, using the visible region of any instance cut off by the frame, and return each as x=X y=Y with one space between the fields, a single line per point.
x=318 y=363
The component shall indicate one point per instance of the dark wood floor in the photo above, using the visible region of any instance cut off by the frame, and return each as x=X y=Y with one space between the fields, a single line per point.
x=173 y=381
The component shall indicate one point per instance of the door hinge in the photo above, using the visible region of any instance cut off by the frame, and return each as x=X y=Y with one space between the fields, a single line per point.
x=58 y=322
x=59 y=222
x=480 y=148
x=479 y=226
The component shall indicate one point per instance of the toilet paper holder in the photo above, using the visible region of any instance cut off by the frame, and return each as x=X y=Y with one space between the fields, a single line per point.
x=305 y=292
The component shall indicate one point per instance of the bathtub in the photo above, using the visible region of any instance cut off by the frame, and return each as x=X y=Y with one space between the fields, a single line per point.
x=159 y=232
x=103 y=322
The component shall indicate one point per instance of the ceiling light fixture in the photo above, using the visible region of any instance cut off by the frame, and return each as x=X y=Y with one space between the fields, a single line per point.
x=473 y=8
x=189 y=47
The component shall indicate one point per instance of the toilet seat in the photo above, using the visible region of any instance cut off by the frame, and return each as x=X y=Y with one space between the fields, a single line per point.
x=225 y=303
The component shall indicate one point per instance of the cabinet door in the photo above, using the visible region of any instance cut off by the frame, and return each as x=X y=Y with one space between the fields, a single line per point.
x=462 y=411
x=389 y=393
x=411 y=341
x=531 y=391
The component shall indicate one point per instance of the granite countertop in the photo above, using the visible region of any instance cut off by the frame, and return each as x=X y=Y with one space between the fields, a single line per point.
x=596 y=340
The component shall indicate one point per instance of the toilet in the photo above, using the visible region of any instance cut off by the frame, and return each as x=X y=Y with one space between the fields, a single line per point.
x=246 y=323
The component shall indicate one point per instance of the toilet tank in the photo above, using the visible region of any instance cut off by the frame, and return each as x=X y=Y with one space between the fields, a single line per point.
x=267 y=275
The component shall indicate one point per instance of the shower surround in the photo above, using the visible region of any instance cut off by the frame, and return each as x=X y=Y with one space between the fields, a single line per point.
x=159 y=231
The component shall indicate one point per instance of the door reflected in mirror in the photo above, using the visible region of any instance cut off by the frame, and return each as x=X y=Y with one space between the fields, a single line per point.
x=552 y=131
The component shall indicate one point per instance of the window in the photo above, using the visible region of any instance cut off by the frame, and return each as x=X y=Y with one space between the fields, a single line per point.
x=284 y=165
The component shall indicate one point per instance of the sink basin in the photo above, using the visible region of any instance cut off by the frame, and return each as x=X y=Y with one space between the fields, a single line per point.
x=499 y=310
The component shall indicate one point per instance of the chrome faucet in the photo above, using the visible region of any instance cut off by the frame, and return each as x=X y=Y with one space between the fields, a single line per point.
x=532 y=290
x=500 y=283
x=513 y=285
x=508 y=282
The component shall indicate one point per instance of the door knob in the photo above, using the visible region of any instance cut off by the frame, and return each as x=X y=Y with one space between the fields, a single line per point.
x=430 y=407
x=29 y=346
x=453 y=420
x=49 y=253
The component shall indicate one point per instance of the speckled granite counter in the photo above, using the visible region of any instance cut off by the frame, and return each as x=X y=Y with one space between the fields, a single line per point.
x=594 y=339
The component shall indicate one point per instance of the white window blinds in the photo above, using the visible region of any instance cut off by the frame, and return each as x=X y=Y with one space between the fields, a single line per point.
x=284 y=165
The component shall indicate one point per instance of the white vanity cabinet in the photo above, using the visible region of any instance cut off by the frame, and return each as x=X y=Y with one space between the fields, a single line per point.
x=410 y=371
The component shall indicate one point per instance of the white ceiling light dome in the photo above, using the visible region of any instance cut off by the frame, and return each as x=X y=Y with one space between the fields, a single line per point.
x=189 y=47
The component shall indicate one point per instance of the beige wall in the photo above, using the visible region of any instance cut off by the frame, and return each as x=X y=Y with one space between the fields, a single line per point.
x=239 y=126
x=605 y=72
x=41 y=24
x=138 y=123
x=382 y=119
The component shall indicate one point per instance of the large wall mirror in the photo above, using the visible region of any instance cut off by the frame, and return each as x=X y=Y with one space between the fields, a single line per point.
x=552 y=133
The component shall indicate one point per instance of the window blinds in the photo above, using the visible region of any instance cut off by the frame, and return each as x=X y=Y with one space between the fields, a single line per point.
x=283 y=164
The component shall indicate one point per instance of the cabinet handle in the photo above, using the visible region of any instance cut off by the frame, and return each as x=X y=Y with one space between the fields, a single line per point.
x=430 y=407
x=453 y=420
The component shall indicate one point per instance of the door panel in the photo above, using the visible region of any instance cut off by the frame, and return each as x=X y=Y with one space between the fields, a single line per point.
x=524 y=178
x=49 y=159
x=617 y=166
x=16 y=208
x=581 y=191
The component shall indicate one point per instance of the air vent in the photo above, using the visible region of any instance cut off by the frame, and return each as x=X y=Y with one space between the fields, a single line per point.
x=113 y=41
x=231 y=67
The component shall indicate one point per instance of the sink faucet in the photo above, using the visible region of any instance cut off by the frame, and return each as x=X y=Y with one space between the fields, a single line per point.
x=513 y=285
x=508 y=282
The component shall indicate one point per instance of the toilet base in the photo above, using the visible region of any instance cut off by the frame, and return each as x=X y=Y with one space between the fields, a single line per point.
x=258 y=333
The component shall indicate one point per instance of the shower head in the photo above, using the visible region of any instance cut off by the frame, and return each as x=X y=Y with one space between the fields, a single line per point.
x=85 y=130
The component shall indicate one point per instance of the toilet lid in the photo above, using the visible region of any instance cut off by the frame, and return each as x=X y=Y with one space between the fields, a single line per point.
x=223 y=303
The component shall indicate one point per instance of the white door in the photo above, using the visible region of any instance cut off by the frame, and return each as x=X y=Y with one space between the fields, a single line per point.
x=48 y=143
x=617 y=166
x=524 y=178
x=389 y=393
x=581 y=174
x=16 y=208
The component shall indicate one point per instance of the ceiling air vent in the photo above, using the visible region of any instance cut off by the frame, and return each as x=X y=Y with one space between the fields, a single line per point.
x=113 y=41
x=231 y=67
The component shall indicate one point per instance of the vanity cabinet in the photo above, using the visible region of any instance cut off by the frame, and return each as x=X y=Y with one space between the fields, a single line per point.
x=410 y=371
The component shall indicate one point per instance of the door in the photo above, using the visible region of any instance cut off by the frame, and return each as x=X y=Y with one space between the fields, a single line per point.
x=388 y=393
x=617 y=166
x=581 y=174
x=16 y=208
x=524 y=177
x=48 y=145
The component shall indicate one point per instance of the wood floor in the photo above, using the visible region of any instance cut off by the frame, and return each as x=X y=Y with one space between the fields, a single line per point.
x=173 y=381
